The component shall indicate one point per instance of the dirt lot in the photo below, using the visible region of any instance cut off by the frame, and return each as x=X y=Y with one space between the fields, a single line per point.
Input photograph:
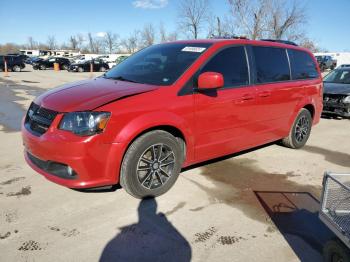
x=256 y=206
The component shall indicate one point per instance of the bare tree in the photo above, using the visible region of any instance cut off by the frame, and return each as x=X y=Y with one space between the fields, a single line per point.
x=162 y=33
x=80 y=40
x=172 y=36
x=221 y=26
x=51 y=42
x=73 y=42
x=9 y=48
x=215 y=27
x=31 y=43
x=310 y=44
x=275 y=19
x=166 y=37
x=111 y=41
x=91 y=41
x=131 y=44
x=192 y=16
x=284 y=21
x=250 y=16
x=148 y=35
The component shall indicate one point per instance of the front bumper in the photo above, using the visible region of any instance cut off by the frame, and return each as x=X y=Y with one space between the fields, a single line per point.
x=338 y=109
x=95 y=163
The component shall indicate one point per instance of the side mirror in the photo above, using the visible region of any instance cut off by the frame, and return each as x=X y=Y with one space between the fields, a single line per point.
x=210 y=80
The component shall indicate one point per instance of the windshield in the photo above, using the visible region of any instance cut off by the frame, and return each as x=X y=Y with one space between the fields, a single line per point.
x=160 y=64
x=341 y=76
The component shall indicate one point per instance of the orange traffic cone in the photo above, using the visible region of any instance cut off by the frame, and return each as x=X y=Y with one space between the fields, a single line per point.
x=6 y=73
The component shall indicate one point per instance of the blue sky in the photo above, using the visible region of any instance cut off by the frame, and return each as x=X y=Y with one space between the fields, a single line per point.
x=327 y=24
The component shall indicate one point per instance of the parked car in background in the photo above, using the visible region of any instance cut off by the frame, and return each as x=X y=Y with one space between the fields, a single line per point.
x=98 y=66
x=169 y=106
x=336 y=97
x=20 y=56
x=326 y=62
x=14 y=63
x=49 y=63
x=78 y=59
x=32 y=60
x=118 y=60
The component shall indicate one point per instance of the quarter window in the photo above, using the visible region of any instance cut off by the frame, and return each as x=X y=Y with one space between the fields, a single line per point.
x=232 y=64
x=303 y=66
x=271 y=64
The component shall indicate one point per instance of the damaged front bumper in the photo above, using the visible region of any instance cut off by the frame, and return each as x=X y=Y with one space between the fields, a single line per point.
x=334 y=105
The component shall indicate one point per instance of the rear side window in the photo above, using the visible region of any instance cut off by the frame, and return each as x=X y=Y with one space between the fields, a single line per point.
x=302 y=65
x=232 y=64
x=271 y=64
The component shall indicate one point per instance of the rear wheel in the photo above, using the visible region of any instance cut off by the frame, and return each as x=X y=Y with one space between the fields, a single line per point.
x=151 y=164
x=65 y=67
x=300 y=130
x=80 y=69
x=42 y=67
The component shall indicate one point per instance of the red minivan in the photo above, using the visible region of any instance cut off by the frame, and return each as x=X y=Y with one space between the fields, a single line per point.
x=169 y=106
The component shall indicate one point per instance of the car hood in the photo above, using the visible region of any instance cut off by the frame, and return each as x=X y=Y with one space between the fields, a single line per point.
x=89 y=94
x=335 y=88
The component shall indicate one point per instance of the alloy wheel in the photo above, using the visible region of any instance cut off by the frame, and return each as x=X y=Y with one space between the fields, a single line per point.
x=302 y=129
x=155 y=166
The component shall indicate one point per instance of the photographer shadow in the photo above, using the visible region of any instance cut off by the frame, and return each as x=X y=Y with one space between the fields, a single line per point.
x=153 y=238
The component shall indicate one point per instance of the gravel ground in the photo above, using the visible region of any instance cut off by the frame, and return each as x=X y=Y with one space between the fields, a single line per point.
x=259 y=205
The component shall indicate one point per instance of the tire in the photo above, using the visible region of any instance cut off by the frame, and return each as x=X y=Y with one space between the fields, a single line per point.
x=141 y=173
x=335 y=251
x=42 y=67
x=16 y=68
x=64 y=67
x=102 y=69
x=80 y=69
x=300 y=130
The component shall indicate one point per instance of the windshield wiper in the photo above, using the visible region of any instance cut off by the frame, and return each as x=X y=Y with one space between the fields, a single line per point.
x=121 y=78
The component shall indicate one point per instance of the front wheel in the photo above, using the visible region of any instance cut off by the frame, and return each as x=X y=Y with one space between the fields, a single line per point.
x=16 y=68
x=80 y=69
x=300 y=130
x=151 y=164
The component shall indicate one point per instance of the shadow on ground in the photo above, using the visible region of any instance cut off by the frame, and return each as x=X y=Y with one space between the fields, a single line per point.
x=153 y=238
x=335 y=157
x=295 y=214
x=288 y=206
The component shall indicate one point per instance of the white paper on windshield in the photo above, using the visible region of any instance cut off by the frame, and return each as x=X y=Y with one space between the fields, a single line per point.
x=193 y=49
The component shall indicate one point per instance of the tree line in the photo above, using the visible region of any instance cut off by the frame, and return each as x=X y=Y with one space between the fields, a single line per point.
x=255 y=19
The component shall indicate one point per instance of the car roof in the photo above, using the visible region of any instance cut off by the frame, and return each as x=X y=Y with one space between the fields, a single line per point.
x=242 y=41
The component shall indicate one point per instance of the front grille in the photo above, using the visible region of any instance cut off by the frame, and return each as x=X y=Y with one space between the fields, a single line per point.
x=39 y=119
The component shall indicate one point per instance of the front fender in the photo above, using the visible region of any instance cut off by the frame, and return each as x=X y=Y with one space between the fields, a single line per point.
x=157 y=119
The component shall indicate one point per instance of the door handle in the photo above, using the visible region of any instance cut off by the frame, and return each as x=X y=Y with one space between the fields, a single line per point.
x=264 y=94
x=246 y=97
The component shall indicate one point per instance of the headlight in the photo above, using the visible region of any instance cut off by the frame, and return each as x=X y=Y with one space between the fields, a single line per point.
x=346 y=99
x=84 y=123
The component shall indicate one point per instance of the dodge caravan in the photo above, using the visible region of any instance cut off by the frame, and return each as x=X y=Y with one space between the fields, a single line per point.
x=169 y=106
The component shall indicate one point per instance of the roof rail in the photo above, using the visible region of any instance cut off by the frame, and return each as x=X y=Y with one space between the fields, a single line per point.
x=280 y=41
x=227 y=36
